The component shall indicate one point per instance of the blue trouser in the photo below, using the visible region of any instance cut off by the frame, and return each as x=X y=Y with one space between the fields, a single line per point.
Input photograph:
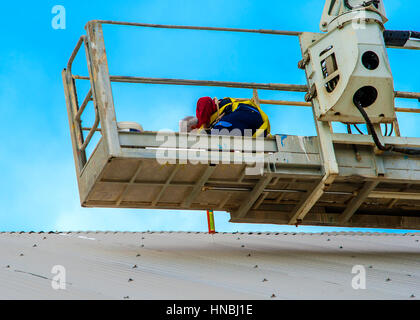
x=244 y=117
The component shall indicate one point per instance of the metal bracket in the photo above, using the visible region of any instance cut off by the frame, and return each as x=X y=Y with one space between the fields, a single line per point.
x=253 y=197
x=302 y=63
x=198 y=186
x=311 y=94
x=309 y=200
x=355 y=204
x=380 y=167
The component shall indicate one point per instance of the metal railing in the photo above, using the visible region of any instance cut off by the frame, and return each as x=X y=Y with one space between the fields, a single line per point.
x=82 y=143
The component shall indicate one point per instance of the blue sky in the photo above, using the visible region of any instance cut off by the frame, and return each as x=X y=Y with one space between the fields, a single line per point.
x=38 y=189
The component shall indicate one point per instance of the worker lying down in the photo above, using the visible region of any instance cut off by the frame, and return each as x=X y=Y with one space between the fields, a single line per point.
x=228 y=116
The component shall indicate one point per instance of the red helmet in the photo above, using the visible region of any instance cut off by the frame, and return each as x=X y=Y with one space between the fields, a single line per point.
x=205 y=108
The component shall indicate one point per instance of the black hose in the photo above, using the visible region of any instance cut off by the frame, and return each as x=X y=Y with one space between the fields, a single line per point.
x=378 y=143
x=399 y=38
x=357 y=128
x=415 y=34
x=371 y=129
x=411 y=152
x=392 y=130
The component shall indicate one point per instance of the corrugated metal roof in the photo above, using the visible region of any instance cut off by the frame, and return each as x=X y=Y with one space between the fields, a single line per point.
x=179 y=265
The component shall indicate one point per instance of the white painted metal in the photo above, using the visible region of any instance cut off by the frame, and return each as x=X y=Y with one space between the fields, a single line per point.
x=199 y=266
x=411 y=44
x=343 y=62
x=127 y=126
x=333 y=9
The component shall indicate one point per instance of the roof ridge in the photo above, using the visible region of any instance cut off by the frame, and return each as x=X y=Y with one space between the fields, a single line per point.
x=333 y=233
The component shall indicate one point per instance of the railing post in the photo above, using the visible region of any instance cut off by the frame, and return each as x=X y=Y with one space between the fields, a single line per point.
x=75 y=129
x=101 y=86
